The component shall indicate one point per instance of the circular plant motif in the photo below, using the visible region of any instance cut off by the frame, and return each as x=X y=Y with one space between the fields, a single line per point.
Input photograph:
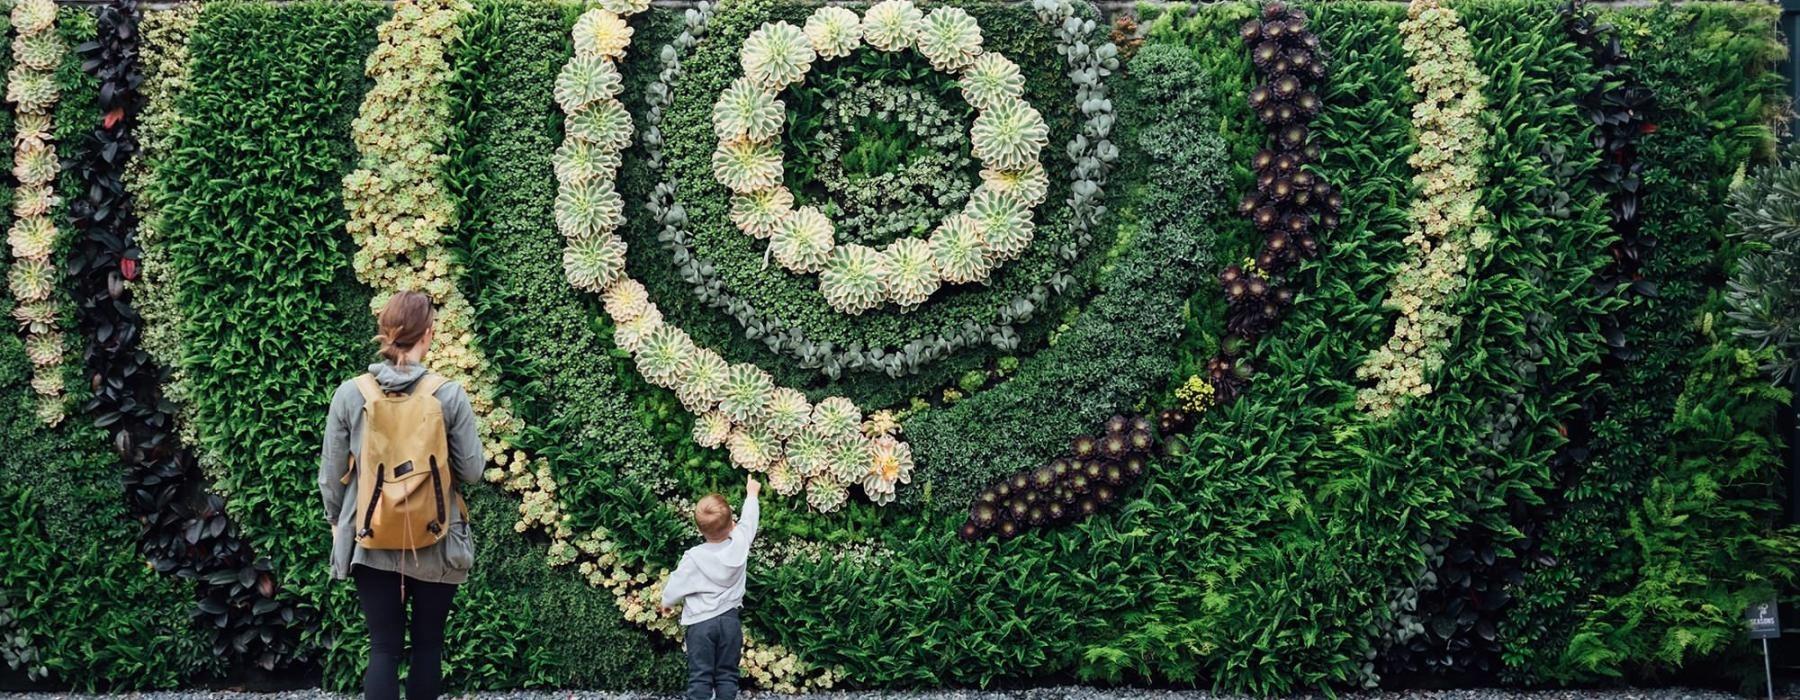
x=1007 y=136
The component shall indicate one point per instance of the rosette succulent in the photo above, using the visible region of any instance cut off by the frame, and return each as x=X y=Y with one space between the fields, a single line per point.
x=855 y=278
x=788 y=412
x=1009 y=136
x=762 y=212
x=949 y=38
x=783 y=480
x=629 y=335
x=32 y=129
x=625 y=300
x=44 y=349
x=912 y=272
x=33 y=16
x=890 y=464
x=746 y=111
x=588 y=209
x=850 y=459
x=32 y=238
x=753 y=448
x=803 y=242
x=31 y=202
x=601 y=34
x=624 y=8
x=585 y=80
x=834 y=31
x=35 y=164
x=776 y=55
x=991 y=79
x=701 y=382
x=581 y=161
x=604 y=123
x=837 y=418
x=809 y=453
x=662 y=354
x=594 y=262
x=826 y=495
x=1005 y=222
x=36 y=316
x=745 y=395
x=892 y=25
x=747 y=166
x=32 y=91
x=1030 y=183
x=32 y=279
x=40 y=51
x=711 y=429
x=960 y=249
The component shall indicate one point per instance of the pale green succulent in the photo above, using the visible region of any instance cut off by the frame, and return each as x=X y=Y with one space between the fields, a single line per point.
x=809 y=453
x=890 y=464
x=36 y=316
x=836 y=418
x=1030 y=183
x=834 y=31
x=747 y=166
x=788 y=412
x=601 y=34
x=761 y=212
x=35 y=165
x=662 y=354
x=783 y=480
x=961 y=250
x=746 y=111
x=593 y=262
x=34 y=92
x=803 y=242
x=776 y=55
x=626 y=299
x=51 y=411
x=44 y=349
x=629 y=335
x=746 y=393
x=588 y=209
x=753 y=448
x=41 y=51
x=991 y=79
x=850 y=459
x=949 y=38
x=47 y=383
x=585 y=80
x=912 y=272
x=32 y=238
x=1005 y=222
x=603 y=123
x=711 y=429
x=701 y=382
x=825 y=495
x=1009 y=136
x=854 y=279
x=580 y=161
x=892 y=25
x=33 y=16
x=33 y=129
x=624 y=8
x=32 y=202
x=32 y=279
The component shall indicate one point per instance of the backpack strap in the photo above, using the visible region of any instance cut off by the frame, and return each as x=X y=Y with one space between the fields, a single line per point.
x=371 y=389
x=430 y=384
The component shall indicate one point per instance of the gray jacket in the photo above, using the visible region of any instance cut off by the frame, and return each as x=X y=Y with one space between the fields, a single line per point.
x=445 y=562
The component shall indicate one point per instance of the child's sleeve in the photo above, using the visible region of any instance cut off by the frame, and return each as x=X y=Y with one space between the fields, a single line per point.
x=744 y=534
x=681 y=583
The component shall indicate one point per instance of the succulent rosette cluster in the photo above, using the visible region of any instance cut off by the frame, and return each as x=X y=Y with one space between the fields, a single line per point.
x=1007 y=137
x=819 y=449
x=1290 y=204
x=1447 y=218
x=32 y=279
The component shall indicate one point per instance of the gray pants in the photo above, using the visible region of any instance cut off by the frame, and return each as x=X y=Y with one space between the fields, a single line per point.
x=713 y=648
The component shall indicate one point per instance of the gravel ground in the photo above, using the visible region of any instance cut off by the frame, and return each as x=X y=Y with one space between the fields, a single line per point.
x=1033 y=694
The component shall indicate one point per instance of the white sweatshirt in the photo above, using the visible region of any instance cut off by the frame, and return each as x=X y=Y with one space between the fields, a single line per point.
x=709 y=582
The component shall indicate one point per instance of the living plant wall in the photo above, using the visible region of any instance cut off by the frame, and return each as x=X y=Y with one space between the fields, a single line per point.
x=1259 y=347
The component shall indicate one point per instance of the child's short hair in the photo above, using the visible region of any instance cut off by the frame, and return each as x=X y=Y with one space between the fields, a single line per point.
x=713 y=516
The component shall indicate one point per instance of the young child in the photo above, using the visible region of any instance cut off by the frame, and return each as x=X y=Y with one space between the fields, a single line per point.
x=709 y=583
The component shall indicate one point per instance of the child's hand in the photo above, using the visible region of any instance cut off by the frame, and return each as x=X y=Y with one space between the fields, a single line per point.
x=753 y=488
x=665 y=610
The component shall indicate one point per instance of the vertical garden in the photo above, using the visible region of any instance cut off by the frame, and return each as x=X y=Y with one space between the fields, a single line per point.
x=1260 y=347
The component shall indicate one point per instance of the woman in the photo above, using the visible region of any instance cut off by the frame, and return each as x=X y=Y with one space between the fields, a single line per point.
x=387 y=578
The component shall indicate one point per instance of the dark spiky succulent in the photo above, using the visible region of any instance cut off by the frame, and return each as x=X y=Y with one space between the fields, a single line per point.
x=1008 y=530
x=1084 y=446
x=1016 y=509
x=984 y=514
x=1057 y=511
x=1043 y=479
x=1113 y=445
x=1020 y=483
x=1117 y=424
x=969 y=531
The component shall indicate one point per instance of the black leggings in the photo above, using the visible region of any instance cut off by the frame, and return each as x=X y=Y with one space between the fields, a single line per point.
x=384 y=597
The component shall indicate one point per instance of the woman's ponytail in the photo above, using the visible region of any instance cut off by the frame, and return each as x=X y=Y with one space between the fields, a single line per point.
x=402 y=324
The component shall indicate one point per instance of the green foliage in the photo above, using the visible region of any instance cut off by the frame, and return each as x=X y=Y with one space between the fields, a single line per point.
x=1765 y=286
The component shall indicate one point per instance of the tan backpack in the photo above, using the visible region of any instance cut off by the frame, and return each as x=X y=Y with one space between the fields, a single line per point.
x=405 y=485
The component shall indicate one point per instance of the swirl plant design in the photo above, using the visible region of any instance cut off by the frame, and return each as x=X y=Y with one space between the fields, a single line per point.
x=31 y=88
